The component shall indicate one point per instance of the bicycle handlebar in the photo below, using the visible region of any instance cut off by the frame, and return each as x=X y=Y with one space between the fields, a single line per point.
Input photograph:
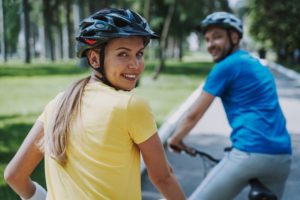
x=201 y=153
x=194 y=152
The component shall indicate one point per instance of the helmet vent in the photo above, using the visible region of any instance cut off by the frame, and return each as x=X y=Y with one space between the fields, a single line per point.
x=101 y=18
x=120 y=23
x=89 y=33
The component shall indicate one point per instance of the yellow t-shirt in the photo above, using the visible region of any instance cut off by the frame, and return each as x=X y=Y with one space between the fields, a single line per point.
x=103 y=158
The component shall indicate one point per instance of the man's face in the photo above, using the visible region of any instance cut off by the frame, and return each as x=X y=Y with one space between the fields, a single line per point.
x=217 y=43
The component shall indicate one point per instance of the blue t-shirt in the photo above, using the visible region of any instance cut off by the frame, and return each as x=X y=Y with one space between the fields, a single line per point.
x=248 y=93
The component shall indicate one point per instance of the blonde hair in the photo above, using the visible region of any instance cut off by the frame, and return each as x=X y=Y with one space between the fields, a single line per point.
x=57 y=133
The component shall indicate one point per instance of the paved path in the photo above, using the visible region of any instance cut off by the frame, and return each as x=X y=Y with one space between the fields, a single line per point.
x=211 y=134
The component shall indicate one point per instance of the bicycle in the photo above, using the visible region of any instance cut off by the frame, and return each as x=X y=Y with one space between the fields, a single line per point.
x=258 y=191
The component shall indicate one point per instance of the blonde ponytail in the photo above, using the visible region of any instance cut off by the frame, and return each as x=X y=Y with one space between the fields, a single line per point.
x=57 y=133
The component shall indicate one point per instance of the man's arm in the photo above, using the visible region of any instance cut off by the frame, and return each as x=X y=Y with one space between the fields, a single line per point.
x=194 y=114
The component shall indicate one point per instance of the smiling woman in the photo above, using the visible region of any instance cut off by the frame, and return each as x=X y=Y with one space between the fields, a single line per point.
x=123 y=64
x=91 y=135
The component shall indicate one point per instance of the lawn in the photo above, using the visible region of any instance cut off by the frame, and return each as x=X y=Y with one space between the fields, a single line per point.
x=25 y=89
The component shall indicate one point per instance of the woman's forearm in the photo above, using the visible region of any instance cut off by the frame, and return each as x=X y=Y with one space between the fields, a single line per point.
x=170 y=188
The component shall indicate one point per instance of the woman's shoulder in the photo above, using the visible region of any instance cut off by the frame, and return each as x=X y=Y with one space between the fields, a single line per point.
x=56 y=98
x=120 y=97
x=136 y=101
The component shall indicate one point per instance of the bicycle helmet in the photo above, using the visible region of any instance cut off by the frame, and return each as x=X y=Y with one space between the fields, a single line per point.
x=224 y=20
x=107 y=24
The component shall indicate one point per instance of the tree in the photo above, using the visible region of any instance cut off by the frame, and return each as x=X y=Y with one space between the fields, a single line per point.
x=184 y=18
x=164 y=37
x=276 y=23
x=97 y=5
x=69 y=29
x=48 y=26
x=12 y=24
x=2 y=32
x=26 y=28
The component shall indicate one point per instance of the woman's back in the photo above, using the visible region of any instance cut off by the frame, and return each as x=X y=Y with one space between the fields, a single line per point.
x=101 y=150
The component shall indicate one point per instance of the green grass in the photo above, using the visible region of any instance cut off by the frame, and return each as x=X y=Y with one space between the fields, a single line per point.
x=25 y=90
x=42 y=69
x=166 y=93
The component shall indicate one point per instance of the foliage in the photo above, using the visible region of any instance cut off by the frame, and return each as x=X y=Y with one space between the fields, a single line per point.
x=12 y=8
x=187 y=14
x=52 y=22
x=276 y=23
x=190 y=13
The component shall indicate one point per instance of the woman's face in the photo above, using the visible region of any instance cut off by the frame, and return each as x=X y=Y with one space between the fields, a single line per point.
x=124 y=62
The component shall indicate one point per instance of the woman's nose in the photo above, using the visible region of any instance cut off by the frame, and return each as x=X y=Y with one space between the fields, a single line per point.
x=134 y=64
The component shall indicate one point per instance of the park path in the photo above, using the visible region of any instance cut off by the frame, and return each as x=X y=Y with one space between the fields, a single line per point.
x=211 y=134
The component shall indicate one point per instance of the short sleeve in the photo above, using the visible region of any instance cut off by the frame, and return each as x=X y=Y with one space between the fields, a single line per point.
x=141 y=121
x=49 y=108
x=219 y=79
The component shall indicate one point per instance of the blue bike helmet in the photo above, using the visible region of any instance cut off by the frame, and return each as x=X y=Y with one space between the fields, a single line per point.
x=224 y=20
x=111 y=23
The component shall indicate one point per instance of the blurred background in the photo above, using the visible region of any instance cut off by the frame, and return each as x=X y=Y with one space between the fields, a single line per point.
x=44 y=30
x=37 y=54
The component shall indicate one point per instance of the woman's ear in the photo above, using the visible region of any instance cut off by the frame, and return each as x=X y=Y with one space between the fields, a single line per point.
x=93 y=58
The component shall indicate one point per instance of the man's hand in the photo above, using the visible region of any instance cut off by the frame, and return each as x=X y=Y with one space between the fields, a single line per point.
x=177 y=145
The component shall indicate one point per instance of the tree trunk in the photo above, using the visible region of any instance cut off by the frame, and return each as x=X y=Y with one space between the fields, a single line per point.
x=180 y=43
x=2 y=32
x=26 y=25
x=78 y=16
x=69 y=30
x=48 y=24
x=147 y=5
x=42 y=41
x=59 y=52
x=94 y=6
x=163 y=40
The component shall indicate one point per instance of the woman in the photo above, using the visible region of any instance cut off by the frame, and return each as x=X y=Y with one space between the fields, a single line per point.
x=93 y=133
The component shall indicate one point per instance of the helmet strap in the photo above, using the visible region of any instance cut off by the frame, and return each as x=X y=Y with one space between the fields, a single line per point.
x=231 y=47
x=101 y=68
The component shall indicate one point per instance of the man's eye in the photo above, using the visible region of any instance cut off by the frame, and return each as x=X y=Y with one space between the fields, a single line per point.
x=217 y=36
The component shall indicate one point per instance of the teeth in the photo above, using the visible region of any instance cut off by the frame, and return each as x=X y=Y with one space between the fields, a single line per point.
x=131 y=76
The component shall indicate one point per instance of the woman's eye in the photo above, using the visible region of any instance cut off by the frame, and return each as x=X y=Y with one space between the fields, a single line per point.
x=123 y=54
x=140 y=54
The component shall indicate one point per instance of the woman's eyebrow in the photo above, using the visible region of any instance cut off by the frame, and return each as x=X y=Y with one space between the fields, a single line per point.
x=128 y=49
x=123 y=48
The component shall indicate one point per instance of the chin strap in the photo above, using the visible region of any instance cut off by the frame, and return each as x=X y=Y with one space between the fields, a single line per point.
x=230 y=42
x=101 y=69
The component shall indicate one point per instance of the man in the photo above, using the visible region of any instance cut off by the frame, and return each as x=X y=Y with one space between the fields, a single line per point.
x=259 y=137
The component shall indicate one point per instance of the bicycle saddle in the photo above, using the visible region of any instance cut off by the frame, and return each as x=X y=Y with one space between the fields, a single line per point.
x=260 y=192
